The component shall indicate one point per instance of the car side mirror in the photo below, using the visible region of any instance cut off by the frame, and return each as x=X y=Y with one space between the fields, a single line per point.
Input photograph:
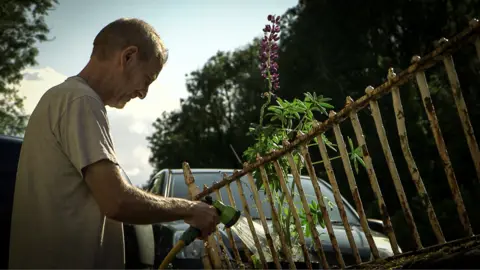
x=376 y=225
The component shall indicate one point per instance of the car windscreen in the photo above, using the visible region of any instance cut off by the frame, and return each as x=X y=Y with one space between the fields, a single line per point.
x=207 y=178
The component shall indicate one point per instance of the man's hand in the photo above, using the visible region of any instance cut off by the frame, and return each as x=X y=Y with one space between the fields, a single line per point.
x=203 y=217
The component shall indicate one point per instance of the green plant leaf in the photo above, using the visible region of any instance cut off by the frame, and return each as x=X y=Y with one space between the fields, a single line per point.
x=328 y=143
x=326 y=105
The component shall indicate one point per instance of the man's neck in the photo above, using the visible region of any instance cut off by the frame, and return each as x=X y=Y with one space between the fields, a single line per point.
x=96 y=77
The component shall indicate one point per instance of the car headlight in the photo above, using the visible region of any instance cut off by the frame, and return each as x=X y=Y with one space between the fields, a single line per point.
x=193 y=251
x=384 y=247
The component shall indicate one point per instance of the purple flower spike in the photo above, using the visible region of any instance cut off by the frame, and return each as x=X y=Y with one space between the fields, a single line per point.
x=269 y=52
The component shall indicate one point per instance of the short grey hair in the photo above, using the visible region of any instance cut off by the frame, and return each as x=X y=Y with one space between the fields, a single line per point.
x=125 y=32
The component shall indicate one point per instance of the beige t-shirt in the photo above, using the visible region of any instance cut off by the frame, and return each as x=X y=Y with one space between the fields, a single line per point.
x=56 y=222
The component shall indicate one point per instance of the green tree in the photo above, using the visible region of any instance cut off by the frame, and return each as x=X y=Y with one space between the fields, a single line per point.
x=22 y=24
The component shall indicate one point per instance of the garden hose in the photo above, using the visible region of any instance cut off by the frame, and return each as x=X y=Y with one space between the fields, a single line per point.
x=171 y=255
x=228 y=216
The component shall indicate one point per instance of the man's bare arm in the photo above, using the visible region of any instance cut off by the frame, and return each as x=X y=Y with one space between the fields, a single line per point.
x=120 y=201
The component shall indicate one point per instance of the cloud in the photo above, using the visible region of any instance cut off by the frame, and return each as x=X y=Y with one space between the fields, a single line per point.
x=131 y=146
x=129 y=126
x=163 y=95
x=138 y=127
x=35 y=83
x=31 y=76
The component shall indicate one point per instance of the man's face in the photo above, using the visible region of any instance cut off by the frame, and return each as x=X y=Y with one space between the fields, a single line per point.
x=134 y=77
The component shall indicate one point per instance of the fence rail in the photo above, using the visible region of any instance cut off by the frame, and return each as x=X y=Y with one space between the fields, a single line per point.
x=274 y=251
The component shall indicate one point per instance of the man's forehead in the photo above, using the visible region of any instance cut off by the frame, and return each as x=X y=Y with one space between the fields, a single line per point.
x=154 y=69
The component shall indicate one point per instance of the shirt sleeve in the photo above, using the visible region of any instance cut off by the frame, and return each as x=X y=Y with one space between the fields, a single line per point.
x=84 y=133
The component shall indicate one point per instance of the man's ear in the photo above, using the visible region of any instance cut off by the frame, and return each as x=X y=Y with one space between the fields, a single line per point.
x=127 y=55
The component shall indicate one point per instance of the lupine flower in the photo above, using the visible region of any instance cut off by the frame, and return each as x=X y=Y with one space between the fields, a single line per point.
x=269 y=52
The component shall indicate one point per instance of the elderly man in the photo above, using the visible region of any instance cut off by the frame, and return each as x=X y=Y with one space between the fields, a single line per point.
x=70 y=198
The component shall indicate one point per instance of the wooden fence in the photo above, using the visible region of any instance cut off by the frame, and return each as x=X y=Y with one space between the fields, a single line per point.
x=213 y=258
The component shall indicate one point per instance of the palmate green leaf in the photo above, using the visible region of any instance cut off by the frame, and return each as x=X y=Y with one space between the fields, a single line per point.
x=323 y=99
x=300 y=104
x=275 y=109
x=313 y=206
x=320 y=103
x=256 y=261
x=360 y=160
x=322 y=110
x=356 y=155
x=328 y=143
x=287 y=104
x=280 y=102
x=317 y=214
x=320 y=219
x=271 y=114
x=359 y=156
x=331 y=204
x=353 y=154
x=305 y=224
x=309 y=96
x=350 y=143
x=326 y=105
x=309 y=115
x=275 y=117
x=355 y=163
x=289 y=110
x=316 y=109
x=308 y=104
x=296 y=107
x=307 y=126
x=308 y=232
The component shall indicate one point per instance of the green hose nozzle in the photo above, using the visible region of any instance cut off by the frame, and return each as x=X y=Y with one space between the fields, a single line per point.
x=228 y=216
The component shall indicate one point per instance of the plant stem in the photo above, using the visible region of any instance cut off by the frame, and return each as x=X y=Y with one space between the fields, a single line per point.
x=262 y=110
x=321 y=161
x=303 y=119
x=289 y=214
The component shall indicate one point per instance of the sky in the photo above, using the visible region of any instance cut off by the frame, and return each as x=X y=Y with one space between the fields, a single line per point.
x=193 y=31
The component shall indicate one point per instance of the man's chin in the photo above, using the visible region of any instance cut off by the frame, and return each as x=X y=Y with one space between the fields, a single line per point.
x=120 y=105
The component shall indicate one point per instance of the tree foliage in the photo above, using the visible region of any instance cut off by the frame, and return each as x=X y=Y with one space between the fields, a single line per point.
x=336 y=49
x=22 y=25
x=223 y=98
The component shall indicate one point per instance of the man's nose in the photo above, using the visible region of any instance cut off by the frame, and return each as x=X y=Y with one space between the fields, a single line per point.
x=142 y=94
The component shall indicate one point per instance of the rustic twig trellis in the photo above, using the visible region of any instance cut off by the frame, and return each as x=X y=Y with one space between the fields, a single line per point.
x=416 y=71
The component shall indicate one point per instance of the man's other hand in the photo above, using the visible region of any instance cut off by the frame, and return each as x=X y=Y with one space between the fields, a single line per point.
x=203 y=217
